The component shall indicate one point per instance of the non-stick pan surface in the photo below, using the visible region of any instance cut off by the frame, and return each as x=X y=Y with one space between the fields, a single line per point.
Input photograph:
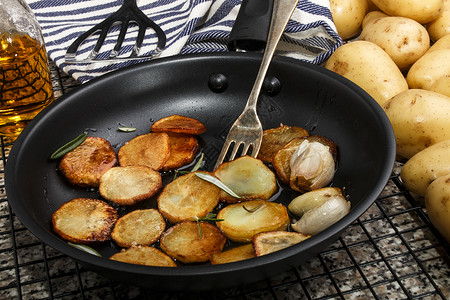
x=308 y=96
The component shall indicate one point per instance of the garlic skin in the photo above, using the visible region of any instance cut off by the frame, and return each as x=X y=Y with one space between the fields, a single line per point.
x=322 y=216
x=312 y=166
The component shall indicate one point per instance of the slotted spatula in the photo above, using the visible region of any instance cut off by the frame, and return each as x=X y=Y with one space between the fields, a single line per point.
x=246 y=132
x=126 y=15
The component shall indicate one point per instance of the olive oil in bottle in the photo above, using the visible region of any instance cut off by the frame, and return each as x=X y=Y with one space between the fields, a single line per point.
x=25 y=84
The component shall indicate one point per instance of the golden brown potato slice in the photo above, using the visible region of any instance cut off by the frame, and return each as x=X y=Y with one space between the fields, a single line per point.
x=272 y=241
x=281 y=160
x=148 y=256
x=84 y=220
x=128 y=185
x=236 y=254
x=179 y=124
x=151 y=150
x=183 y=148
x=241 y=221
x=184 y=243
x=139 y=228
x=187 y=197
x=276 y=138
x=85 y=164
x=248 y=177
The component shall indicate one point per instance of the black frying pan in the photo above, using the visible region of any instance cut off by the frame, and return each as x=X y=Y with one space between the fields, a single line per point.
x=212 y=88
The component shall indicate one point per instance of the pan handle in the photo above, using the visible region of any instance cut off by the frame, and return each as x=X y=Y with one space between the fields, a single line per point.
x=250 y=30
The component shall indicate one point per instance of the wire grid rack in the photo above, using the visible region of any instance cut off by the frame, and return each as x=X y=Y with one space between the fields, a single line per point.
x=391 y=252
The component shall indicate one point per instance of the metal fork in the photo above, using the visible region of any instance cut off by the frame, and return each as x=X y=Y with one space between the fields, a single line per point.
x=247 y=129
x=128 y=13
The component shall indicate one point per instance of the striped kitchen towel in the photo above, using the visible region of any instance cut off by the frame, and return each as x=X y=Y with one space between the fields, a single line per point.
x=191 y=26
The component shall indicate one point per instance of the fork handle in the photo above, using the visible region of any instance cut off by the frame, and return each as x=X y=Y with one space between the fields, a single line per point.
x=281 y=14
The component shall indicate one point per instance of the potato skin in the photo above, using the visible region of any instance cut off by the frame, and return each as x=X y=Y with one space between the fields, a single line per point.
x=437 y=202
x=425 y=167
x=419 y=10
x=370 y=67
x=348 y=16
x=440 y=27
x=420 y=118
x=428 y=69
x=404 y=39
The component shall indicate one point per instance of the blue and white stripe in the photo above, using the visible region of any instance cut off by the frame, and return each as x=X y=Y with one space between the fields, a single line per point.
x=191 y=26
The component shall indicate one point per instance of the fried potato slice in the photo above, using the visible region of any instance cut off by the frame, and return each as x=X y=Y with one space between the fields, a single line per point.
x=241 y=221
x=184 y=243
x=281 y=160
x=84 y=220
x=151 y=150
x=236 y=254
x=248 y=177
x=187 y=197
x=141 y=255
x=179 y=124
x=183 y=148
x=84 y=165
x=272 y=241
x=276 y=138
x=129 y=185
x=140 y=227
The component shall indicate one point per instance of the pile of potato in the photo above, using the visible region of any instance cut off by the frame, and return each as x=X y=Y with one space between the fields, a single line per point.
x=399 y=53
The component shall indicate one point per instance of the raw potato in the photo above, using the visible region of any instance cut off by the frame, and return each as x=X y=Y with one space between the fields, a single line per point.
x=148 y=256
x=442 y=85
x=437 y=202
x=370 y=67
x=426 y=166
x=372 y=16
x=348 y=16
x=423 y=11
x=241 y=221
x=429 y=68
x=442 y=44
x=420 y=118
x=405 y=40
x=440 y=26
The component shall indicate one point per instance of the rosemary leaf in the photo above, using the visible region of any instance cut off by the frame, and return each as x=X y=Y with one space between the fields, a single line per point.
x=208 y=218
x=198 y=164
x=84 y=248
x=217 y=183
x=69 y=146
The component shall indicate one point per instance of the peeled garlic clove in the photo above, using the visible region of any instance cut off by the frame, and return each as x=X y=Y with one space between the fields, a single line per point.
x=303 y=203
x=322 y=216
x=312 y=164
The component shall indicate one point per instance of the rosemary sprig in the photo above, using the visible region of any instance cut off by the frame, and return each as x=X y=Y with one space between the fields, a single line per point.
x=216 y=181
x=208 y=218
x=251 y=210
x=85 y=248
x=61 y=151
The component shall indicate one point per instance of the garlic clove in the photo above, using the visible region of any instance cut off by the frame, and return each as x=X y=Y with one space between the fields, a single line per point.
x=303 y=203
x=312 y=164
x=322 y=216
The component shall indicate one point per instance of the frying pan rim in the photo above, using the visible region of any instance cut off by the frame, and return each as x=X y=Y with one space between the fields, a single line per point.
x=186 y=271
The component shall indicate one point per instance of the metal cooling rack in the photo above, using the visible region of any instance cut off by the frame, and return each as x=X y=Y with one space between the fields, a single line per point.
x=390 y=252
